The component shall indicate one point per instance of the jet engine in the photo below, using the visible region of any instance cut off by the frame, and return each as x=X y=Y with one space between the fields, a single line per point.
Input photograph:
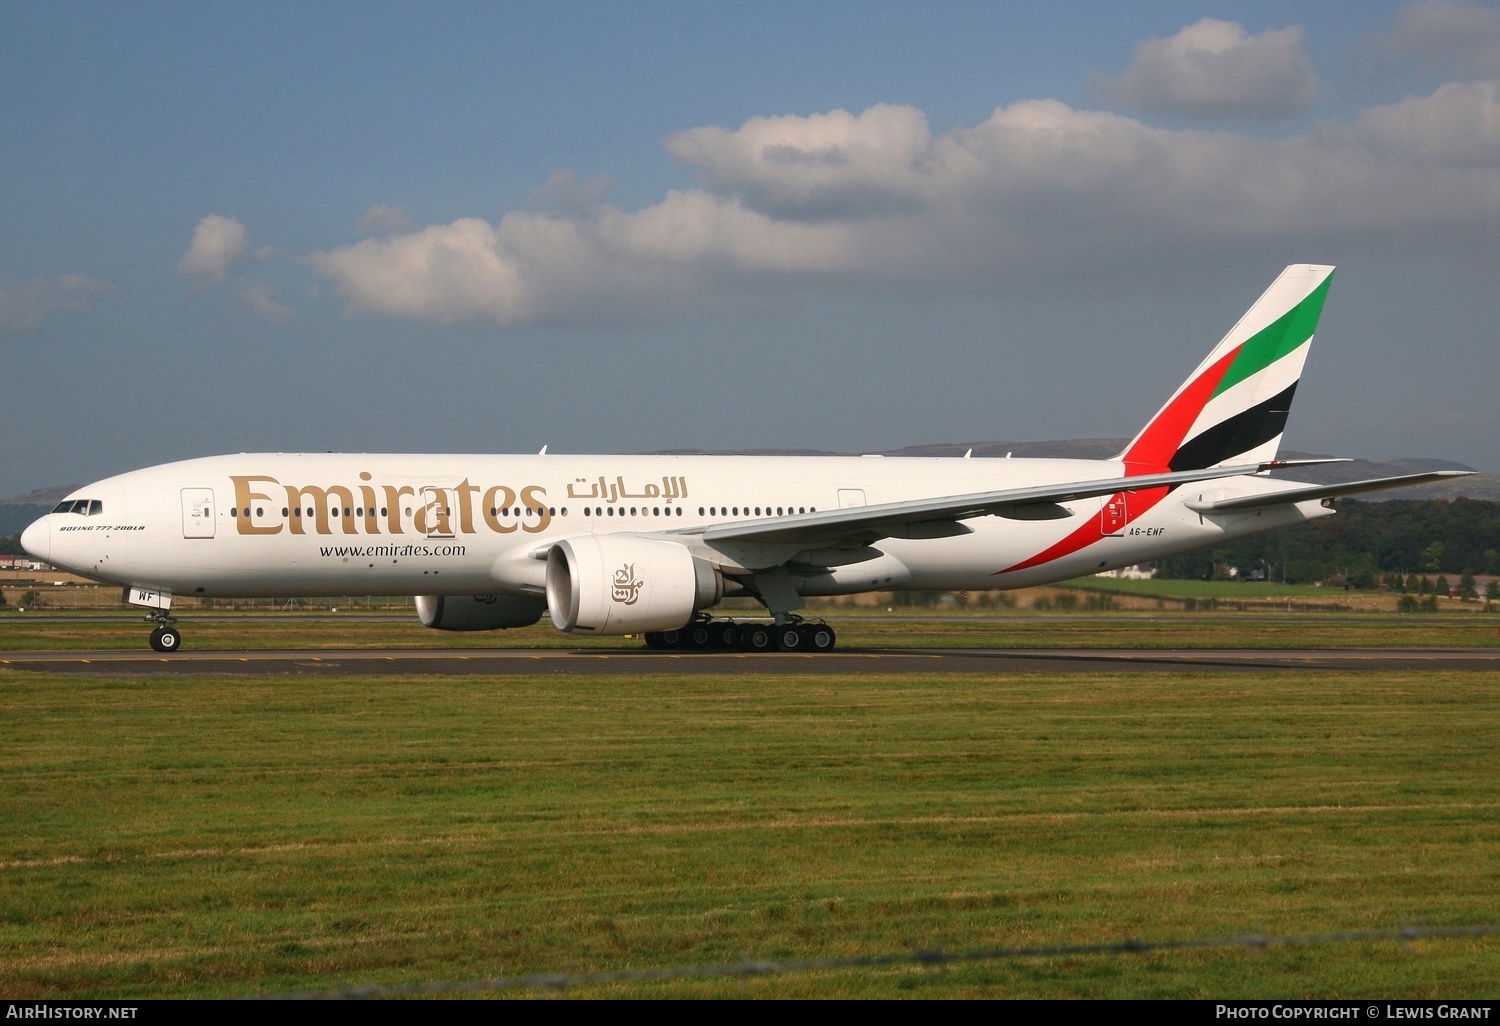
x=621 y=584
x=478 y=612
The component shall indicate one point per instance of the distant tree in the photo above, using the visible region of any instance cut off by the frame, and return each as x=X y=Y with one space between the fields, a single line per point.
x=1424 y=585
x=1491 y=561
x=11 y=546
x=1492 y=590
x=1466 y=587
x=1432 y=557
x=1440 y=586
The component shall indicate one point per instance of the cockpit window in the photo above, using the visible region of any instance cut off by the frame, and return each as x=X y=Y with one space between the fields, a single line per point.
x=83 y=507
x=96 y=507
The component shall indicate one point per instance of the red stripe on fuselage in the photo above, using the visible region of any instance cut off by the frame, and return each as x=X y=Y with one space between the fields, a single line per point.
x=1151 y=454
x=1136 y=503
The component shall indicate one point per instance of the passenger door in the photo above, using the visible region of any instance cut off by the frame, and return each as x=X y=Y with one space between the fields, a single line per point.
x=197 y=512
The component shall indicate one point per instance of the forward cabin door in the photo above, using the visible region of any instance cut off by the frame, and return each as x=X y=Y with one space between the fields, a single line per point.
x=197 y=512
x=851 y=497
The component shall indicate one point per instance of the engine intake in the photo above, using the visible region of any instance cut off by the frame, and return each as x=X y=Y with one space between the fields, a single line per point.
x=621 y=584
x=478 y=612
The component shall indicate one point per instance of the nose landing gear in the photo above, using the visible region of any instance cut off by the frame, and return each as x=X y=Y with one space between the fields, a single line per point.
x=166 y=637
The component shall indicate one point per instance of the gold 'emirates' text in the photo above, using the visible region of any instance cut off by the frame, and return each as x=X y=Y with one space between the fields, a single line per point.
x=431 y=510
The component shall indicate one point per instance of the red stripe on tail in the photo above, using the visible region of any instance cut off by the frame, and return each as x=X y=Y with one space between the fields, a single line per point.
x=1152 y=452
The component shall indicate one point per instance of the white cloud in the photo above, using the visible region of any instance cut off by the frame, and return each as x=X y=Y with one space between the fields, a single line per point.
x=258 y=298
x=23 y=307
x=1460 y=35
x=382 y=220
x=1213 y=69
x=827 y=166
x=1459 y=124
x=563 y=193
x=875 y=200
x=217 y=243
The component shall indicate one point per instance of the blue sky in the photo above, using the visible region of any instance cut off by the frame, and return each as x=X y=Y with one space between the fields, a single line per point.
x=608 y=227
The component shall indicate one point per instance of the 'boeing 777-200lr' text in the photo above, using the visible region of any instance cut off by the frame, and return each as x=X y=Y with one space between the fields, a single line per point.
x=645 y=544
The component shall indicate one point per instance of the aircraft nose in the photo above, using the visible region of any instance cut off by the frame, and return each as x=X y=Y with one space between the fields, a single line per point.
x=37 y=540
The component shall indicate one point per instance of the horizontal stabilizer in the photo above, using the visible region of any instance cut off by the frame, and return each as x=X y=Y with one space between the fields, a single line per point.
x=1329 y=491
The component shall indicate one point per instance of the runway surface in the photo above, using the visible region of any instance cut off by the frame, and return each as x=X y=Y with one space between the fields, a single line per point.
x=644 y=661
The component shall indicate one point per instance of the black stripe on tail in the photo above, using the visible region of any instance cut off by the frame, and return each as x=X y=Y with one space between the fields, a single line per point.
x=1240 y=433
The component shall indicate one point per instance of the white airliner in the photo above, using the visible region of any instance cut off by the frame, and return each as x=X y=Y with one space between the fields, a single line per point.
x=615 y=545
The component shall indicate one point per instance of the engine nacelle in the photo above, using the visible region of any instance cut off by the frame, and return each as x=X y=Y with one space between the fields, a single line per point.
x=620 y=584
x=478 y=612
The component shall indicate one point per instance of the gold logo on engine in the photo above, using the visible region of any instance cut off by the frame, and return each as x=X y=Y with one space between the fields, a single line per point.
x=627 y=586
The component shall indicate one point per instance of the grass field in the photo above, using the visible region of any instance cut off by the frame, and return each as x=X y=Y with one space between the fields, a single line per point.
x=232 y=836
x=856 y=629
x=1164 y=587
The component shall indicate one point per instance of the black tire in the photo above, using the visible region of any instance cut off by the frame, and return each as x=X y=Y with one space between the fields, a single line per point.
x=721 y=635
x=754 y=637
x=699 y=636
x=789 y=639
x=673 y=638
x=817 y=637
x=652 y=639
x=166 y=639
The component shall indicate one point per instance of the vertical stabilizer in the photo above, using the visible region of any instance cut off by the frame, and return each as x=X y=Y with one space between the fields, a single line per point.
x=1233 y=408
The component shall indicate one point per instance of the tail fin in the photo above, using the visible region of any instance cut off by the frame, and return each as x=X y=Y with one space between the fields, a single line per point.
x=1234 y=406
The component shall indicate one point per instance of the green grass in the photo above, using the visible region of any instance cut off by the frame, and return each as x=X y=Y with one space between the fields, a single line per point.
x=229 y=836
x=1229 y=590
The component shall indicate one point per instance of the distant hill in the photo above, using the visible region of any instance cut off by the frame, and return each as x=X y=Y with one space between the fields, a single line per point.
x=19 y=510
x=41 y=496
x=15 y=516
x=1480 y=486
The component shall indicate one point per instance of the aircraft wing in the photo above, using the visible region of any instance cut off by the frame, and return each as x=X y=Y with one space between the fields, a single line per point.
x=1329 y=491
x=939 y=517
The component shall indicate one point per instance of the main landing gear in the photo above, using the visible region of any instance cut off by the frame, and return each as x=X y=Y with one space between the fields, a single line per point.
x=795 y=635
x=166 y=637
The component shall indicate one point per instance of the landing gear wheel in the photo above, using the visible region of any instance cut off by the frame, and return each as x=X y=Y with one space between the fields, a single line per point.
x=817 y=637
x=653 y=639
x=720 y=634
x=698 y=636
x=166 y=639
x=753 y=637
x=789 y=638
